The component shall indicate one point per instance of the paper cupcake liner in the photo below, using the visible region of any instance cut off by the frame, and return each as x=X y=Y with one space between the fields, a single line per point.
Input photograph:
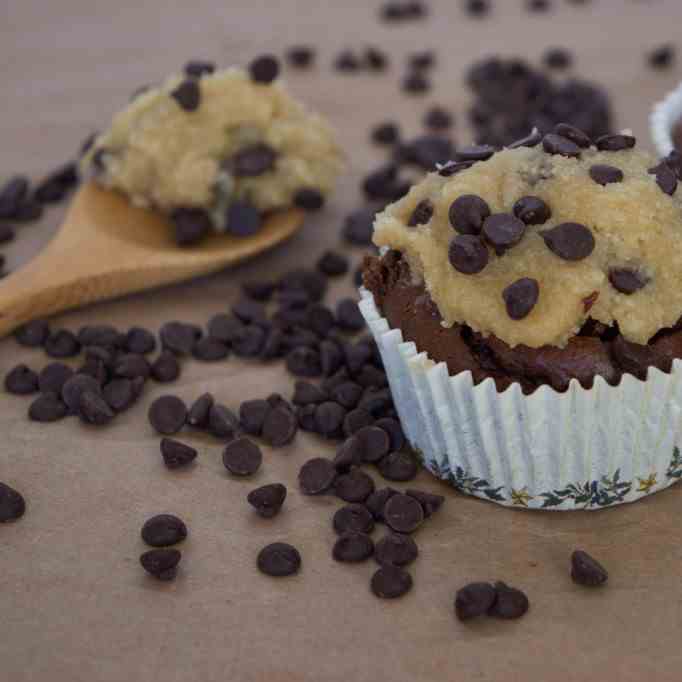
x=582 y=449
x=662 y=121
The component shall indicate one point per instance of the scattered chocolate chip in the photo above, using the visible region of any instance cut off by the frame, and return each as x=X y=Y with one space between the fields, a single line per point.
x=520 y=297
x=196 y=68
x=167 y=414
x=222 y=422
x=347 y=394
x=395 y=549
x=166 y=367
x=573 y=134
x=21 y=380
x=187 y=95
x=662 y=57
x=120 y=394
x=468 y=254
x=626 y=280
x=62 y=344
x=355 y=486
x=179 y=337
x=375 y=59
x=306 y=393
x=354 y=518
x=300 y=56
x=477 y=8
x=348 y=315
x=163 y=530
x=280 y=427
x=304 y=362
x=403 y=513
x=279 y=559
x=395 y=432
x=7 y=233
x=32 y=334
x=329 y=418
x=374 y=443
x=242 y=457
x=53 y=377
x=131 y=365
x=666 y=178
x=603 y=174
x=398 y=466
x=57 y=184
x=48 y=407
x=503 y=230
x=347 y=62
x=353 y=547
x=93 y=409
x=355 y=420
x=191 y=225
x=140 y=340
x=468 y=213
x=586 y=570
x=416 y=83
x=348 y=455
x=73 y=388
x=264 y=69
x=225 y=328
x=306 y=417
x=377 y=501
x=427 y=151
x=386 y=133
x=309 y=199
x=249 y=341
x=254 y=160
x=210 y=350
x=359 y=227
x=332 y=264
x=557 y=144
x=480 y=152
x=430 y=503
x=259 y=290
x=510 y=603
x=569 y=241
x=422 y=213
x=12 y=504
x=268 y=499
x=176 y=455
x=532 y=210
x=438 y=119
x=12 y=194
x=243 y=219
x=615 y=143
x=557 y=58
x=28 y=211
x=538 y=5
x=161 y=563
x=252 y=414
x=391 y=582
x=474 y=600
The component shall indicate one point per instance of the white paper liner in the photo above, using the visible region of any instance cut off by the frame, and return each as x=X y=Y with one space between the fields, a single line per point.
x=663 y=118
x=582 y=449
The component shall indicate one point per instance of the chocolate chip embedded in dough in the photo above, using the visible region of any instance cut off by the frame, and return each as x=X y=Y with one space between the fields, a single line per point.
x=468 y=254
x=569 y=241
x=627 y=280
x=520 y=297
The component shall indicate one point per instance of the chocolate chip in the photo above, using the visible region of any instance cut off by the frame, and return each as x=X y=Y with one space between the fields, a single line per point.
x=480 y=152
x=427 y=151
x=222 y=422
x=243 y=219
x=93 y=409
x=416 y=83
x=306 y=417
x=438 y=119
x=253 y=161
x=304 y=362
x=131 y=365
x=573 y=134
x=12 y=504
x=264 y=69
x=196 y=68
x=47 y=407
x=259 y=290
x=309 y=199
x=100 y=335
x=586 y=570
x=75 y=386
x=403 y=513
x=329 y=418
x=510 y=603
x=355 y=420
x=662 y=57
x=268 y=499
x=603 y=174
x=556 y=144
x=468 y=213
x=167 y=414
x=395 y=432
x=666 y=179
x=62 y=344
x=386 y=133
x=430 y=503
x=242 y=457
x=355 y=486
x=306 y=393
x=21 y=381
x=557 y=58
x=163 y=530
x=422 y=213
x=306 y=282
x=398 y=466
x=395 y=549
x=176 y=455
x=347 y=394
x=280 y=427
x=626 y=280
x=531 y=140
x=252 y=414
x=615 y=143
x=348 y=315
x=53 y=377
x=377 y=501
x=12 y=195
x=279 y=559
x=353 y=547
x=120 y=394
x=569 y=241
x=28 y=211
x=538 y=5
x=191 y=225
x=249 y=341
x=354 y=518
x=332 y=264
x=520 y=297
x=187 y=95
x=300 y=56
x=374 y=443
x=474 y=600
x=348 y=455
x=161 y=563
x=468 y=254
x=347 y=62
x=532 y=210
x=166 y=367
x=179 y=337
x=391 y=582
x=503 y=230
x=223 y=327
x=375 y=59
x=331 y=359
x=7 y=233
x=359 y=227
x=57 y=184
x=140 y=340
x=32 y=334
x=422 y=60
x=210 y=350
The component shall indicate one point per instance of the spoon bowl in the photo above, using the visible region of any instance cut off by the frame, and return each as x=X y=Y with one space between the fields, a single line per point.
x=107 y=248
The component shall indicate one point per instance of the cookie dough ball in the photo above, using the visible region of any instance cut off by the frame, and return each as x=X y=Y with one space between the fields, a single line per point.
x=217 y=151
x=527 y=243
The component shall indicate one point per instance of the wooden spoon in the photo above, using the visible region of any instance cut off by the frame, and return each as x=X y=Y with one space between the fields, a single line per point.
x=107 y=248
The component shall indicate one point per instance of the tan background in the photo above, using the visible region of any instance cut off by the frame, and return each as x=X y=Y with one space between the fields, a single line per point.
x=74 y=604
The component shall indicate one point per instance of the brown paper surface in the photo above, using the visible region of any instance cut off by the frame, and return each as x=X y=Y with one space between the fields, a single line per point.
x=74 y=603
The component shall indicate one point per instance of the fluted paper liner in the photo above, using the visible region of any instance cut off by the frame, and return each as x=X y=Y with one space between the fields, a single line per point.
x=582 y=449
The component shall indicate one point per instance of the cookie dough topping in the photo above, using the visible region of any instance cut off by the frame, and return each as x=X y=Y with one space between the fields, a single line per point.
x=525 y=244
x=217 y=150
